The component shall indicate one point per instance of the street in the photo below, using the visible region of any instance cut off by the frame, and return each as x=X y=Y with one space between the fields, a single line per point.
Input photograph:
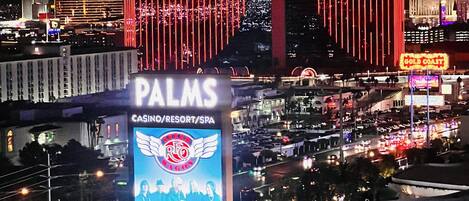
x=293 y=167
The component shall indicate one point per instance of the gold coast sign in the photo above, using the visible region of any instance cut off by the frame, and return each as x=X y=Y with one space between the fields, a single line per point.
x=424 y=61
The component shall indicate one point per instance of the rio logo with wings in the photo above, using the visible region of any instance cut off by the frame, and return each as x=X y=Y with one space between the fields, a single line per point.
x=176 y=151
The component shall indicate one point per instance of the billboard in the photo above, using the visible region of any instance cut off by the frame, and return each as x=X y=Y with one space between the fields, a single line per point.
x=419 y=82
x=173 y=162
x=421 y=100
x=424 y=61
x=181 y=137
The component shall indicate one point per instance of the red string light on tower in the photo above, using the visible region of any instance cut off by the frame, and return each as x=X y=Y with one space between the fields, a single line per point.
x=180 y=34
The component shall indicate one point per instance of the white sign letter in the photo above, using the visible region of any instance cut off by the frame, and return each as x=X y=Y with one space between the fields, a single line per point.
x=142 y=88
x=171 y=101
x=191 y=94
x=156 y=96
x=208 y=86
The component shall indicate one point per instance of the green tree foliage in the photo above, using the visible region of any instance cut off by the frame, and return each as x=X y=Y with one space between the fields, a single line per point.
x=81 y=158
x=33 y=154
x=388 y=166
x=358 y=180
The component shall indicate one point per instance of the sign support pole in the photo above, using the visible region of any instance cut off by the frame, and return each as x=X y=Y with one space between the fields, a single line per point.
x=411 y=106
x=428 y=109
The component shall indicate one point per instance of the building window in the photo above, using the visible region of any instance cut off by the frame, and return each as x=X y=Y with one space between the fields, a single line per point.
x=10 y=142
x=129 y=63
x=29 y=66
x=108 y=131
x=80 y=77
x=113 y=71
x=96 y=73
x=105 y=73
x=40 y=69
x=9 y=82
x=19 y=73
x=88 y=74
x=117 y=129
x=121 y=70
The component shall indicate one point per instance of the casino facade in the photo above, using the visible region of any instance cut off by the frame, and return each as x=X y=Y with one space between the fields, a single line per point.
x=180 y=34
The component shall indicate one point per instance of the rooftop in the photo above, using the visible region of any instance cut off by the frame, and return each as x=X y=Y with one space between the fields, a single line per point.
x=452 y=174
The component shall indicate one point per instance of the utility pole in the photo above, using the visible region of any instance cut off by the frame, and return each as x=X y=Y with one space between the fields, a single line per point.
x=49 y=192
x=341 y=136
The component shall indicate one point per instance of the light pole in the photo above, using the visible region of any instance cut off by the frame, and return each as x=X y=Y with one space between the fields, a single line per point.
x=341 y=136
x=428 y=109
x=49 y=189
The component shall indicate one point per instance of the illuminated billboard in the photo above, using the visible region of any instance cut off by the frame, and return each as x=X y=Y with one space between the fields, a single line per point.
x=175 y=162
x=420 y=82
x=424 y=61
x=180 y=131
x=421 y=100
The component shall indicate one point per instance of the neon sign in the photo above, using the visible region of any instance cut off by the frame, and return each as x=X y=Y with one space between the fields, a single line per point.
x=199 y=93
x=432 y=61
x=420 y=81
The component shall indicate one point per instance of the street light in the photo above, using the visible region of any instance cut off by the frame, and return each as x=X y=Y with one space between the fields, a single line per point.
x=24 y=191
x=99 y=174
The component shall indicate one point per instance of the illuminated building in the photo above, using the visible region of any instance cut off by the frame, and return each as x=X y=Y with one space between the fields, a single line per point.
x=425 y=35
x=432 y=12
x=30 y=9
x=49 y=72
x=370 y=30
x=180 y=34
x=462 y=8
x=73 y=12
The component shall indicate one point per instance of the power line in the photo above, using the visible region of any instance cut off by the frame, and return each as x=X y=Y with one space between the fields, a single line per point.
x=21 y=181
x=18 y=171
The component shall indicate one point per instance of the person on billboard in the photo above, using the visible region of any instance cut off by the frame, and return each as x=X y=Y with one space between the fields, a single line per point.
x=158 y=195
x=175 y=193
x=212 y=192
x=144 y=194
x=194 y=193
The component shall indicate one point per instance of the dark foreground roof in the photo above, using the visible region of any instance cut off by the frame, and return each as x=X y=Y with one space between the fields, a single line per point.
x=454 y=174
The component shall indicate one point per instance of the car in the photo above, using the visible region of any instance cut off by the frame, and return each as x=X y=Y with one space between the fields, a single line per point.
x=462 y=102
x=258 y=171
x=383 y=151
x=333 y=159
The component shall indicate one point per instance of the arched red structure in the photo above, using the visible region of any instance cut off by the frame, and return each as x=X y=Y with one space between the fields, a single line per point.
x=304 y=72
x=309 y=73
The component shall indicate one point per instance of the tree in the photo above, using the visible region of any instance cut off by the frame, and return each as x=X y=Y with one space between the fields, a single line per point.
x=437 y=145
x=81 y=158
x=33 y=154
x=369 y=174
x=388 y=166
x=5 y=165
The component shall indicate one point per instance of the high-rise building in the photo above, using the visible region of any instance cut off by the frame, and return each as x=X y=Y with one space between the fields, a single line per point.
x=370 y=30
x=279 y=38
x=440 y=12
x=48 y=72
x=73 y=12
x=180 y=34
